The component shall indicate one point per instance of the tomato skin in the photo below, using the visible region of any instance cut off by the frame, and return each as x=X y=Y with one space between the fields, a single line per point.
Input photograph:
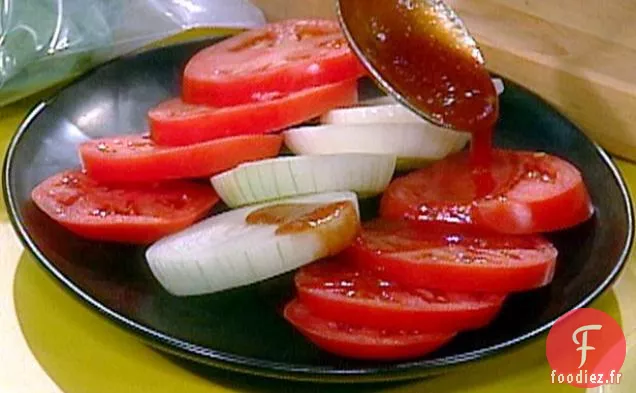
x=362 y=343
x=135 y=214
x=549 y=211
x=277 y=59
x=175 y=123
x=458 y=261
x=134 y=158
x=528 y=193
x=337 y=291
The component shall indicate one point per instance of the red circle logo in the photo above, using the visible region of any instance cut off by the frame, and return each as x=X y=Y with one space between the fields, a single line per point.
x=586 y=348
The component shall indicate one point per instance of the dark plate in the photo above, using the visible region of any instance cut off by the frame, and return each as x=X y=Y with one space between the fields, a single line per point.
x=243 y=329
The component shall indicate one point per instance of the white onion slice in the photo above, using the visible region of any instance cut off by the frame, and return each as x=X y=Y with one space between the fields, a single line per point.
x=224 y=252
x=387 y=100
x=499 y=85
x=414 y=144
x=382 y=100
x=378 y=114
x=259 y=181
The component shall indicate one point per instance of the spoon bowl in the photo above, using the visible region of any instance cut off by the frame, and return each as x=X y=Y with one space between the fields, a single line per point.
x=421 y=53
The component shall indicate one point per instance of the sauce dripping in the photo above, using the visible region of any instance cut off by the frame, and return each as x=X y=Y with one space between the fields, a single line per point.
x=418 y=47
x=334 y=223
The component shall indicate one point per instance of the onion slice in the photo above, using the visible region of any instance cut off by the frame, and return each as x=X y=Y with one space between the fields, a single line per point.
x=225 y=251
x=282 y=177
x=384 y=100
x=377 y=114
x=415 y=144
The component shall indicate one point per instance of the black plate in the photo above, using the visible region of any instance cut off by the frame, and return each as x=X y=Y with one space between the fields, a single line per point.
x=243 y=329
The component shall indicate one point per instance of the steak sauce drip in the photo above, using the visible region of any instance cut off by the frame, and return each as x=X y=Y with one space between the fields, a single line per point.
x=429 y=61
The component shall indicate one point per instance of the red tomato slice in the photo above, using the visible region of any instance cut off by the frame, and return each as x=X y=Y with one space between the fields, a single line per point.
x=523 y=193
x=338 y=291
x=137 y=214
x=262 y=64
x=453 y=261
x=362 y=342
x=175 y=123
x=136 y=158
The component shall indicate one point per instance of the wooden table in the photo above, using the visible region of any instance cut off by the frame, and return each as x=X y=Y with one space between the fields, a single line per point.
x=50 y=342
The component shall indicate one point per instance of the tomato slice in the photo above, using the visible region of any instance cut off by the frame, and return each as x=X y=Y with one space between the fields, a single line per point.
x=176 y=123
x=338 y=291
x=362 y=342
x=522 y=193
x=136 y=158
x=137 y=214
x=453 y=261
x=265 y=63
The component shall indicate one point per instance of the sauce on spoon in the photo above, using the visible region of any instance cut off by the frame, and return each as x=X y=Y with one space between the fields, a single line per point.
x=420 y=48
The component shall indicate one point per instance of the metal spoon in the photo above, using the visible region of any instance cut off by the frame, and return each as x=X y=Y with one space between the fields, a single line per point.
x=422 y=54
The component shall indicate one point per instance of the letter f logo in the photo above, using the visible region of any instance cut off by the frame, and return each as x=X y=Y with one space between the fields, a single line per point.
x=584 y=347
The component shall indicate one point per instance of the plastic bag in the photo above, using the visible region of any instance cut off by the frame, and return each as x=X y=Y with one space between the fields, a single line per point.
x=45 y=42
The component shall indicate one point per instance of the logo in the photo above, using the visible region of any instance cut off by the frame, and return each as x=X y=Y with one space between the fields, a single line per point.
x=586 y=348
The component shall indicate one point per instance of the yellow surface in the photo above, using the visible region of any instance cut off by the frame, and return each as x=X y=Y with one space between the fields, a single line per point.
x=49 y=342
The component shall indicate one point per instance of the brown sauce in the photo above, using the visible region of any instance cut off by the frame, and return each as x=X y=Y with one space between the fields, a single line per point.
x=413 y=47
x=335 y=223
